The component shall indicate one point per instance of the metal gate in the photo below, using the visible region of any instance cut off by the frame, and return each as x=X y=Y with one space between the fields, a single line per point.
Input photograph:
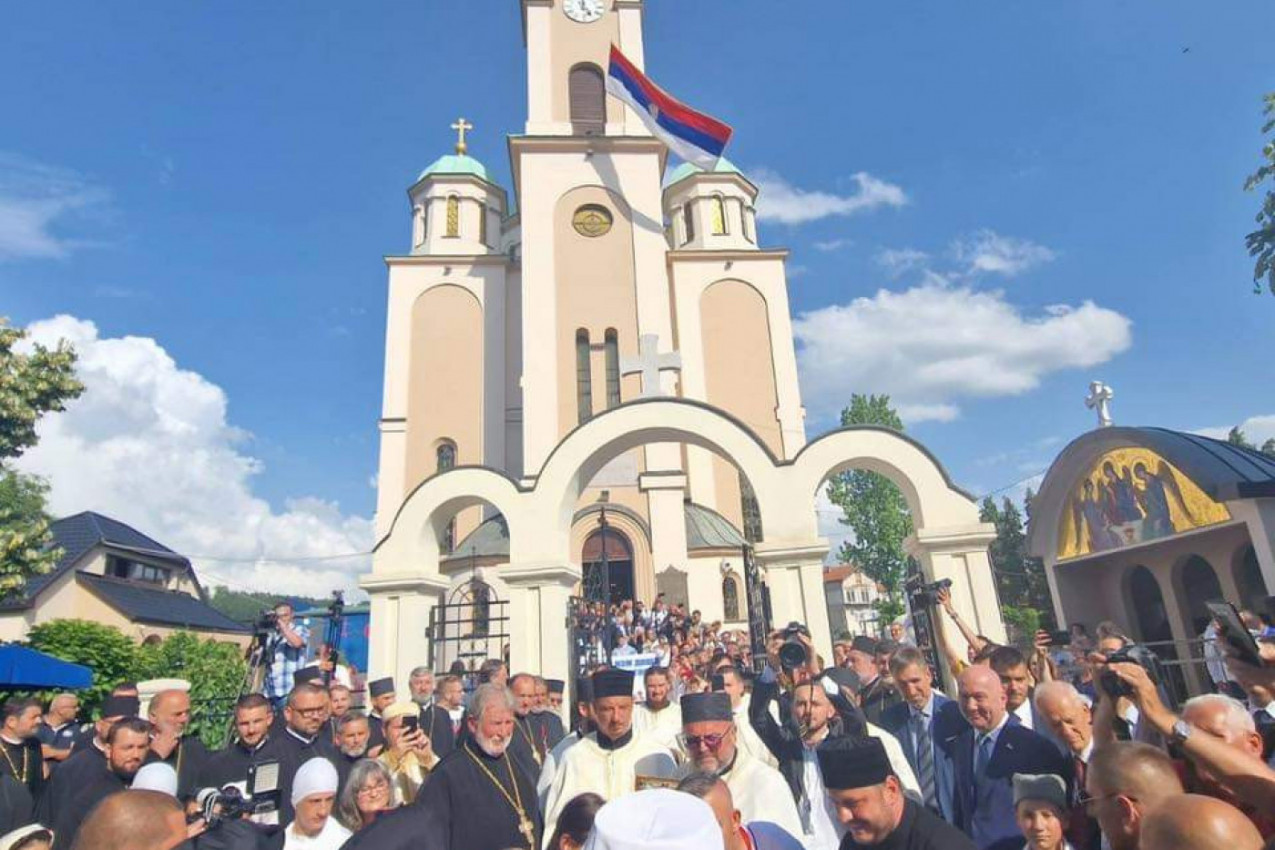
x=472 y=626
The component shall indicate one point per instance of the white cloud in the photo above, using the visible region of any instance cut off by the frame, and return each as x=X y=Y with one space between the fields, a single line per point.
x=931 y=346
x=780 y=201
x=898 y=261
x=988 y=252
x=39 y=205
x=1257 y=429
x=833 y=245
x=150 y=444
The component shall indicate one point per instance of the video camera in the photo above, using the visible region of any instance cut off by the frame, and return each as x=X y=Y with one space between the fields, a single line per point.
x=267 y=621
x=924 y=594
x=792 y=655
x=230 y=803
x=1133 y=653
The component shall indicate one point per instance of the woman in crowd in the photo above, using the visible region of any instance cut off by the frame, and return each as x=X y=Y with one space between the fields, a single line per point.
x=575 y=823
x=366 y=795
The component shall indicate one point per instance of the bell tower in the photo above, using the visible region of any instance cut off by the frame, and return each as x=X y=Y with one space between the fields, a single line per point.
x=568 y=49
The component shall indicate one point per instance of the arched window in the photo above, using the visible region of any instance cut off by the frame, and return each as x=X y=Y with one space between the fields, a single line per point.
x=584 y=378
x=482 y=223
x=750 y=225
x=612 y=346
x=453 y=217
x=719 y=216
x=688 y=223
x=730 y=597
x=587 y=94
x=749 y=510
x=445 y=455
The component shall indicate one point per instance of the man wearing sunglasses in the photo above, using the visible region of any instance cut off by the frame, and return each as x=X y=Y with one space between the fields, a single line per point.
x=710 y=740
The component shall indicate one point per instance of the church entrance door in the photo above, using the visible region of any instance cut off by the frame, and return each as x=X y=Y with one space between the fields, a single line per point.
x=618 y=567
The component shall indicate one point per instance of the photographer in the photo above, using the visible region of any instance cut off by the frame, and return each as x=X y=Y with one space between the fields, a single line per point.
x=407 y=755
x=286 y=650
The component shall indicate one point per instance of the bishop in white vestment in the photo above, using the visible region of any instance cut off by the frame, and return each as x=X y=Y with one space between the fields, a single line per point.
x=609 y=760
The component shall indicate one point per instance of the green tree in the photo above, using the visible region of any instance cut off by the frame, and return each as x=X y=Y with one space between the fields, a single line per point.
x=31 y=384
x=1268 y=447
x=1020 y=579
x=215 y=671
x=1236 y=437
x=1261 y=242
x=245 y=607
x=108 y=652
x=875 y=511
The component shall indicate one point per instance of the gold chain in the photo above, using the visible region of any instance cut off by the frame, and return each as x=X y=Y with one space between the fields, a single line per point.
x=13 y=768
x=535 y=751
x=525 y=825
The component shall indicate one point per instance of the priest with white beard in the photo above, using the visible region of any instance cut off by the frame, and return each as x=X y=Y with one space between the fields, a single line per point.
x=609 y=760
x=710 y=740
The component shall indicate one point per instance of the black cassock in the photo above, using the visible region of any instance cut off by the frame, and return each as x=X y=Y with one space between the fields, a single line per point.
x=550 y=728
x=466 y=810
x=26 y=765
x=525 y=746
x=15 y=804
x=375 y=734
x=188 y=759
x=438 y=726
x=400 y=829
x=74 y=774
x=920 y=829
x=232 y=763
x=295 y=751
x=94 y=782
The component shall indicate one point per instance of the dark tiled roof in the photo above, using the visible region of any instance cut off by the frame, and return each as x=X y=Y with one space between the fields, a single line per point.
x=76 y=535
x=158 y=606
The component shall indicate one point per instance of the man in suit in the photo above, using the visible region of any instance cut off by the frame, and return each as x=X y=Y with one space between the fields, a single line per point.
x=1067 y=714
x=987 y=755
x=927 y=724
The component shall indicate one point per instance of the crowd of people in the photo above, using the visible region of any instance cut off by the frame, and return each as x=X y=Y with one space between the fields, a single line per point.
x=1054 y=749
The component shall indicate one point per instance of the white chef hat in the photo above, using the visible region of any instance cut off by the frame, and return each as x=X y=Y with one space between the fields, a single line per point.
x=156 y=776
x=658 y=819
x=317 y=776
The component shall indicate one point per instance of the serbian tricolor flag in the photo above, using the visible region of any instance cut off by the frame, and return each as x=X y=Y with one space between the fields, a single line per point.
x=694 y=136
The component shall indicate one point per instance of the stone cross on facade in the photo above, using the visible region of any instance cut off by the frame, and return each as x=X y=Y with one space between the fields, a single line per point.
x=650 y=363
x=1100 y=396
x=460 y=127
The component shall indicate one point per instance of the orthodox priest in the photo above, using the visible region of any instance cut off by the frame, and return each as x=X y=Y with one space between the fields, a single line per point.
x=169 y=714
x=253 y=744
x=711 y=743
x=583 y=726
x=659 y=718
x=87 y=761
x=127 y=746
x=478 y=798
x=610 y=761
x=19 y=720
x=529 y=746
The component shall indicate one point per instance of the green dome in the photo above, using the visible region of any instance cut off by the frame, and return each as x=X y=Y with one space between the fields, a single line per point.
x=686 y=169
x=456 y=164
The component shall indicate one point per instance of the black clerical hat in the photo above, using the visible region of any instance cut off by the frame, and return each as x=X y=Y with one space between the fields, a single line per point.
x=381 y=687
x=714 y=705
x=307 y=674
x=121 y=707
x=612 y=683
x=846 y=764
x=844 y=677
x=584 y=690
x=865 y=644
x=556 y=686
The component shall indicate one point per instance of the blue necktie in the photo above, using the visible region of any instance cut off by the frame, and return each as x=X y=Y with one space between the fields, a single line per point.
x=981 y=759
x=924 y=758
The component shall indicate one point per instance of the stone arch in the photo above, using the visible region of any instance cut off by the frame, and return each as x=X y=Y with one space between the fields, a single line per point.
x=1147 y=612
x=1195 y=582
x=932 y=498
x=636 y=531
x=575 y=461
x=1249 y=582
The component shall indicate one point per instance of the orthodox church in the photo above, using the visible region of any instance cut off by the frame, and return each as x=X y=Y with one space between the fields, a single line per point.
x=600 y=367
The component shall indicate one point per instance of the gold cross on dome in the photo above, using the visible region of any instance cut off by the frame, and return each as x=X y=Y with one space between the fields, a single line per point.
x=460 y=127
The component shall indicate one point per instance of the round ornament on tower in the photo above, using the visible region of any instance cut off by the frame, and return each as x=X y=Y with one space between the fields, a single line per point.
x=583 y=11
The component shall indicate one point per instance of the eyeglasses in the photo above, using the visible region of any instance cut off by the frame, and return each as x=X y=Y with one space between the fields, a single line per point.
x=373 y=788
x=1087 y=801
x=708 y=742
x=310 y=712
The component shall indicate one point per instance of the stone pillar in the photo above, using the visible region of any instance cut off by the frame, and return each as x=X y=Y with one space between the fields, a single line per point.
x=538 y=618
x=1176 y=608
x=794 y=576
x=960 y=553
x=665 y=493
x=1259 y=517
x=398 y=640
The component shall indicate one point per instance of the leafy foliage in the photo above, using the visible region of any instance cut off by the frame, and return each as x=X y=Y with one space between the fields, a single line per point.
x=1261 y=242
x=110 y=653
x=244 y=607
x=1021 y=585
x=31 y=384
x=875 y=510
x=214 y=669
x=1237 y=437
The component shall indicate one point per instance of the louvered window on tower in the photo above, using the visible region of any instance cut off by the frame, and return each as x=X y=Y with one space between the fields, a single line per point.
x=719 y=216
x=587 y=92
x=688 y=223
x=584 y=379
x=612 y=347
x=453 y=217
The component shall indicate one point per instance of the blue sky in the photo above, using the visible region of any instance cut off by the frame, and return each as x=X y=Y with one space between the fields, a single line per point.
x=213 y=186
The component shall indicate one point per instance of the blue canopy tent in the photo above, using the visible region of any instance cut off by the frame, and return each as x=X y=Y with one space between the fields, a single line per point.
x=25 y=669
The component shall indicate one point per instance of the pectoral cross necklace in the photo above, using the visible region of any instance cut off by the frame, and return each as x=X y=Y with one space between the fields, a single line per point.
x=525 y=826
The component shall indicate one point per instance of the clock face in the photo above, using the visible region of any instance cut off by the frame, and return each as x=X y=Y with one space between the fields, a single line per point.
x=583 y=11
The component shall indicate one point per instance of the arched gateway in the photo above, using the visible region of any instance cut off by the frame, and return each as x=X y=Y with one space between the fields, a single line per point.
x=606 y=383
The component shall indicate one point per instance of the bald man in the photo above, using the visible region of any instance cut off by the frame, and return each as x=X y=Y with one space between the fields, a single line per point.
x=988 y=754
x=133 y=820
x=1126 y=780
x=169 y=714
x=1196 y=822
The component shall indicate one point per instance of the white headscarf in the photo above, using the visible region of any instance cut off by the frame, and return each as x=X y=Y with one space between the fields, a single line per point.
x=658 y=819
x=317 y=776
x=156 y=776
